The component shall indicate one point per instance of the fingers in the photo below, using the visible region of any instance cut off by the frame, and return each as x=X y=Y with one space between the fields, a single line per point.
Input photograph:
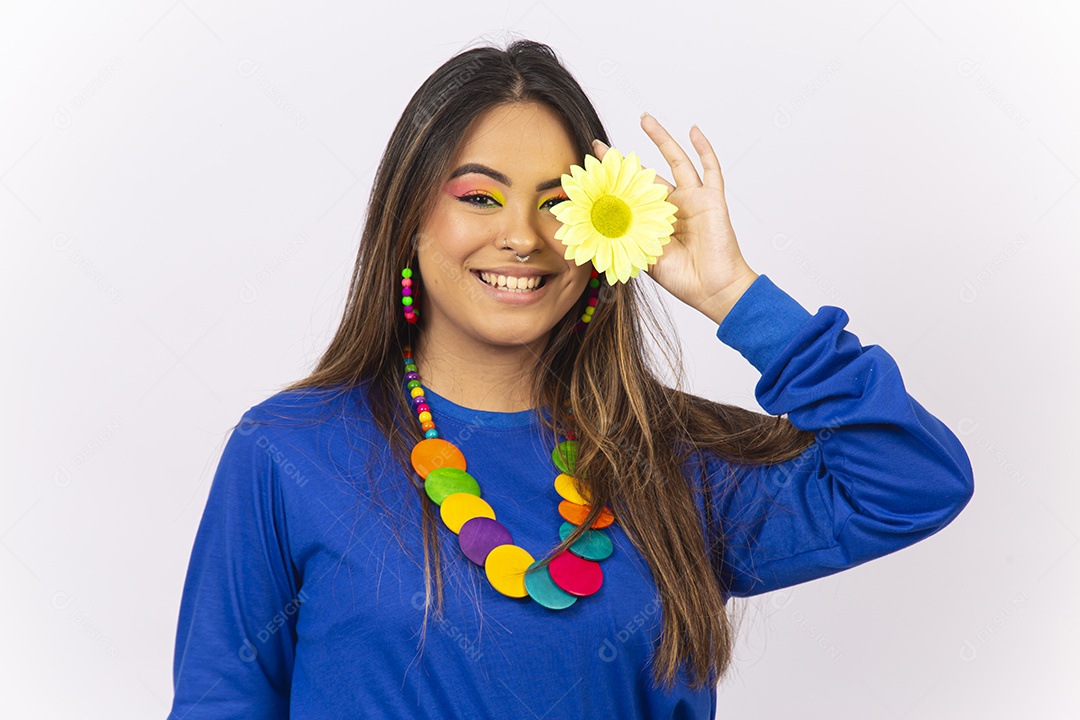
x=709 y=162
x=682 y=168
x=599 y=149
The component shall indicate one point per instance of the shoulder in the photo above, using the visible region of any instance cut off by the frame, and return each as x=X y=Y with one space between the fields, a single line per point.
x=309 y=407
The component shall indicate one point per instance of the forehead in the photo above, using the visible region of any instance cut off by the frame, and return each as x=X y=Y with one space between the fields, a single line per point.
x=525 y=135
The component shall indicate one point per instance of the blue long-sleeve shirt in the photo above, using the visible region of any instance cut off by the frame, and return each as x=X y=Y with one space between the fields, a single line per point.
x=300 y=601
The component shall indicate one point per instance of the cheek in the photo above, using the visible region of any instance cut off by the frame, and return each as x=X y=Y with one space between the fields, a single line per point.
x=450 y=234
x=580 y=273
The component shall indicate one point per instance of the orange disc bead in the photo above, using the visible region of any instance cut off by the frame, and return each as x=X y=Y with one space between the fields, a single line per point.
x=576 y=514
x=431 y=453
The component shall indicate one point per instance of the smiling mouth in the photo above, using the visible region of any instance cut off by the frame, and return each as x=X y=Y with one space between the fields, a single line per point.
x=510 y=283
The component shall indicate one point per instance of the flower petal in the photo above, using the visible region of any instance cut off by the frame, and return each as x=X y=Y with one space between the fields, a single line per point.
x=650 y=245
x=602 y=259
x=641 y=183
x=631 y=246
x=652 y=227
x=621 y=178
x=577 y=194
x=591 y=164
x=593 y=186
x=627 y=171
x=572 y=213
x=577 y=234
x=620 y=262
x=613 y=162
x=654 y=193
x=588 y=248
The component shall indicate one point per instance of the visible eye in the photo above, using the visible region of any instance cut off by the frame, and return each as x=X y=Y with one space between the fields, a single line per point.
x=479 y=199
x=556 y=200
x=468 y=200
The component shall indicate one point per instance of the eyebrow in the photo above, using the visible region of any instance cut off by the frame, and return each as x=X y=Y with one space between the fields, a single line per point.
x=496 y=175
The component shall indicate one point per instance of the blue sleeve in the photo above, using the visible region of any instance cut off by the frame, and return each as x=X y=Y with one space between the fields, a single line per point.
x=236 y=633
x=881 y=474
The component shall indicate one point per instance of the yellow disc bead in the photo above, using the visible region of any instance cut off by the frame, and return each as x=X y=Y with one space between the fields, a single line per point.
x=564 y=485
x=505 y=567
x=424 y=416
x=416 y=391
x=458 y=508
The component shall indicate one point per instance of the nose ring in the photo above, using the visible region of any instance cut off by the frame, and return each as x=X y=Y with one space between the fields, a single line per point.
x=516 y=256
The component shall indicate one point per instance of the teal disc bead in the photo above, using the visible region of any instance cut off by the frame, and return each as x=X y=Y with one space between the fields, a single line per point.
x=543 y=589
x=593 y=545
x=444 y=481
x=431 y=433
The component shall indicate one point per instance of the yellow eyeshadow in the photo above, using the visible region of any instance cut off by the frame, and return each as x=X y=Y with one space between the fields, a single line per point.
x=560 y=198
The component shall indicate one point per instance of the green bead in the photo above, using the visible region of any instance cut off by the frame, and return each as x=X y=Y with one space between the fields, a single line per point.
x=565 y=456
x=445 y=481
x=412 y=383
x=594 y=282
x=407 y=273
x=406 y=301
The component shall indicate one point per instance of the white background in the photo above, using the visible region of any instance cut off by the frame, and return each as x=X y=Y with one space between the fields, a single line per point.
x=181 y=192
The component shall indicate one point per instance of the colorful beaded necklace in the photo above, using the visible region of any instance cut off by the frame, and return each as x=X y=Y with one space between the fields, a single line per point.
x=485 y=541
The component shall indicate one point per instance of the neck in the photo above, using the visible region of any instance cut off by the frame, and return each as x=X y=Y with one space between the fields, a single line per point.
x=496 y=378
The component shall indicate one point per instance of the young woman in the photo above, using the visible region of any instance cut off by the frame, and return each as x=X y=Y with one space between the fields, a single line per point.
x=484 y=503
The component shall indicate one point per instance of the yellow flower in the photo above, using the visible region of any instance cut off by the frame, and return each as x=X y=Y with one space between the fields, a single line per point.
x=616 y=216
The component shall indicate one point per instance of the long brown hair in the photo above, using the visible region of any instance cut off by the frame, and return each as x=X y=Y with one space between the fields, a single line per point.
x=634 y=433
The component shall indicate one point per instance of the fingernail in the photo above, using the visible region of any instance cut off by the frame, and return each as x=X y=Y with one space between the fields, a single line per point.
x=642 y=117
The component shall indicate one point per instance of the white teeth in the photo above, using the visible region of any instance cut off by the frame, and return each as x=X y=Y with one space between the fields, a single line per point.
x=510 y=283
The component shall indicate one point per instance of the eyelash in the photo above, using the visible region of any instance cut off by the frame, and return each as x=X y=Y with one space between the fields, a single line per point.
x=467 y=199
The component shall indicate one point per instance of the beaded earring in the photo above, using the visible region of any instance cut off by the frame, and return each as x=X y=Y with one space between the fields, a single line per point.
x=412 y=311
x=594 y=292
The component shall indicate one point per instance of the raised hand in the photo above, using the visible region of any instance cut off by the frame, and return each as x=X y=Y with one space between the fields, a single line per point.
x=702 y=265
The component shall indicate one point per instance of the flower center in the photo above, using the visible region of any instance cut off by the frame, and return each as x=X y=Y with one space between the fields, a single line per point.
x=611 y=216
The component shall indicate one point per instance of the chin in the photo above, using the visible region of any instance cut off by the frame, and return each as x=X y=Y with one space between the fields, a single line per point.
x=521 y=332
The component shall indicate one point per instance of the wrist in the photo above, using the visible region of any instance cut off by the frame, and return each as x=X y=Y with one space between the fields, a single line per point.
x=719 y=305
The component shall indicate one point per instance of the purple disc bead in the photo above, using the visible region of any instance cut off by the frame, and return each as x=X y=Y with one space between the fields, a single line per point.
x=480 y=535
x=412 y=376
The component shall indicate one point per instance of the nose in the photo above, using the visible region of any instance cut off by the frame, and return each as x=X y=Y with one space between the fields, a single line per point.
x=522 y=248
x=522 y=233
